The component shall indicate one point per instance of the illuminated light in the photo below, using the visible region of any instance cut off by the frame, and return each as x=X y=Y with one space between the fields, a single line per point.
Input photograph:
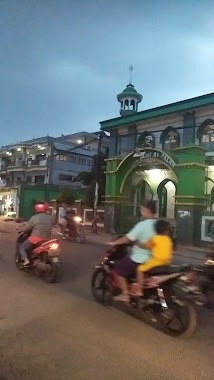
x=54 y=246
x=39 y=146
x=77 y=219
x=209 y=262
x=28 y=153
x=7 y=152
x=156 y=175
x=19 y=149
x=79 y=141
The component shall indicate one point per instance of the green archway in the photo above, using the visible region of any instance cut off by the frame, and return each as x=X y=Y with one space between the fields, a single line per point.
x=163 y=197
x=187 y=168
x=143 y=156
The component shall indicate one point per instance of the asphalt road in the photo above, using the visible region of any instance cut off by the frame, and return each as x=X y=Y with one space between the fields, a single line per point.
x=58 y=332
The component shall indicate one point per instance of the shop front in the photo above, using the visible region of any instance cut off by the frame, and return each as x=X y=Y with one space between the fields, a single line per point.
x=8 y=202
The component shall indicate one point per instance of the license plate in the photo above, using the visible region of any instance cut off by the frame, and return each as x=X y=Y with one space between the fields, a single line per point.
x=54 y=252
x=55 y=260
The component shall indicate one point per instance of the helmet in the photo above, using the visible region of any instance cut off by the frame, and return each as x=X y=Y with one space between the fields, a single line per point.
x=41 y=207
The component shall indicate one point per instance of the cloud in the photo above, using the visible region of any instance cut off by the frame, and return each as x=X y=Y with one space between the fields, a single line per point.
x=63 y=63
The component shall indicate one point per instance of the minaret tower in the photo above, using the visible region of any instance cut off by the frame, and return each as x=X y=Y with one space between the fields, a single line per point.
x=129 y=98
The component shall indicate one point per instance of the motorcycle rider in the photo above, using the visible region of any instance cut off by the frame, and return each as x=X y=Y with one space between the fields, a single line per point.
x=141 y=232
x=62 y=219
x=40 y=225
x=71 y=222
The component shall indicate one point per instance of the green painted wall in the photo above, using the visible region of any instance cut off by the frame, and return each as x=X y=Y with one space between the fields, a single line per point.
x=190 y=200
x=29 y=194
x=189 y=169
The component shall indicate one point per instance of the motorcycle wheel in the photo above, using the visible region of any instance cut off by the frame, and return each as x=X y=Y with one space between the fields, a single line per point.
x=18 y=261
x=81 y=237
x=101 y=287
x=180 y=319
x=54 y=273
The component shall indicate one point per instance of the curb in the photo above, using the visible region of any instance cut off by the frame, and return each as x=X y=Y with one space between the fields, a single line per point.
x=199 y=256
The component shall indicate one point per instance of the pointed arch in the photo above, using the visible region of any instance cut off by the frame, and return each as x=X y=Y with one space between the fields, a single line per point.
x=203 y=126
x=126 y=104
x=205 y=134
x=146 y=139
x=132 y=103
x=170 y=138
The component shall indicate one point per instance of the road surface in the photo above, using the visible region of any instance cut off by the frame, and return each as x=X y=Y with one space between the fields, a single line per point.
x=58 y=332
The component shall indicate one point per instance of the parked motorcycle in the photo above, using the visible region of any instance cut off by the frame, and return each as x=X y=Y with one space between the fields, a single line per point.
x=201 y=278
x=166 y=303
x=75 y=230
x=44 y=258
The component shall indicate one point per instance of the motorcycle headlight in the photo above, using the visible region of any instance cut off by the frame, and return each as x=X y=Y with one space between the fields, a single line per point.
x=77 y=219
x=209 y=262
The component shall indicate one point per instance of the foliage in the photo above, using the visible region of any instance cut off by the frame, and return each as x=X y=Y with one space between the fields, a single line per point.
x=85 y=178
x=89 y=180
x=66 y=196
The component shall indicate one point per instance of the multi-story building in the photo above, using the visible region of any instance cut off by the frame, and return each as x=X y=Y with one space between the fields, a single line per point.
x=49 y=160
x=88 y=140
x=167 y=154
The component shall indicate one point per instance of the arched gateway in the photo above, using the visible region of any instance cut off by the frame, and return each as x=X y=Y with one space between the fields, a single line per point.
x=176 y=180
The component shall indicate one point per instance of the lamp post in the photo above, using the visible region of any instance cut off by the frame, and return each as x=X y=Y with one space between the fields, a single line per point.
x=96 y=191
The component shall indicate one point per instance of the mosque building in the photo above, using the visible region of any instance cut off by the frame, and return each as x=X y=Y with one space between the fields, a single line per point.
x=166 y=154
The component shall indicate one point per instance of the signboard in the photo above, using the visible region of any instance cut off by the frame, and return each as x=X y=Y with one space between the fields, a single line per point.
x=158 y=154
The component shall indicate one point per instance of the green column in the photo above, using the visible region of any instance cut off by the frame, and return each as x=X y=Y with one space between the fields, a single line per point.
x=113 y=198
x=190 y=200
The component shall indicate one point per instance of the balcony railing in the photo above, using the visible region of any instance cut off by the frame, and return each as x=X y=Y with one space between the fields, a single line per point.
x=23 y=164
x=36 y=163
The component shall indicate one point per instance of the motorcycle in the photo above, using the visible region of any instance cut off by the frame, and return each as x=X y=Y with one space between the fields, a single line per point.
x=201 y=278
x=44 y=258
x=166 y=303
x=75 y=230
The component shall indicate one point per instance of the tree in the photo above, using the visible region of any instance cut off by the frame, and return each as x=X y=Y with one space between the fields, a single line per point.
x=66 y=196
x=89 y=179
x=85 y=178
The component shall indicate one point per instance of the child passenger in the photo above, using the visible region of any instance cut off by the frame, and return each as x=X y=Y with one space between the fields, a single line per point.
x=161 y=247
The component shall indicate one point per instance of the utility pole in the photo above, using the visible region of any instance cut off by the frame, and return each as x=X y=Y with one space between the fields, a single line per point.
x=96 y=192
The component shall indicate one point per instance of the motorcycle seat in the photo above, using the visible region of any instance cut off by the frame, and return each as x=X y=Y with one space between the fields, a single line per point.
x=39 y=244
x=165 y=269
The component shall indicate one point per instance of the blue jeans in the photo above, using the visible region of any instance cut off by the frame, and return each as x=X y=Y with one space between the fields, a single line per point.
x=25 y=248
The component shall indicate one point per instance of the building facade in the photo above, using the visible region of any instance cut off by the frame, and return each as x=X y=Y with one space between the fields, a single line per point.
x=49 y=160
x=167 y=154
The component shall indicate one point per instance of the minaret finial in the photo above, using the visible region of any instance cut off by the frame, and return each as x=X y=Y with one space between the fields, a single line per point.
x=130 y=78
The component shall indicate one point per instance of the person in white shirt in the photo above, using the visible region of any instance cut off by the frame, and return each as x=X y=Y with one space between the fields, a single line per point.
x=62 y=219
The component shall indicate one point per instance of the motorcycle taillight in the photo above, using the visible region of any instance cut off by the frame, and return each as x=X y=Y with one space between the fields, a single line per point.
x=54 y=246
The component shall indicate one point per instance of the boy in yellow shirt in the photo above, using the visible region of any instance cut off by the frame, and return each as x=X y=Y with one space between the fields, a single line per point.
x=161 y=246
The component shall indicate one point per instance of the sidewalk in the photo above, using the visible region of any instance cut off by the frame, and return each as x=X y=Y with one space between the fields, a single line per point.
x=195 y=253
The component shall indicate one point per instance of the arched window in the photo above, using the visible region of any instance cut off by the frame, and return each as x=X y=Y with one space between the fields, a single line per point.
x=133 y=104
x=170 y=139
x=126 y=104
x=205 y=134
x=207 y=139
x=146 y=140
